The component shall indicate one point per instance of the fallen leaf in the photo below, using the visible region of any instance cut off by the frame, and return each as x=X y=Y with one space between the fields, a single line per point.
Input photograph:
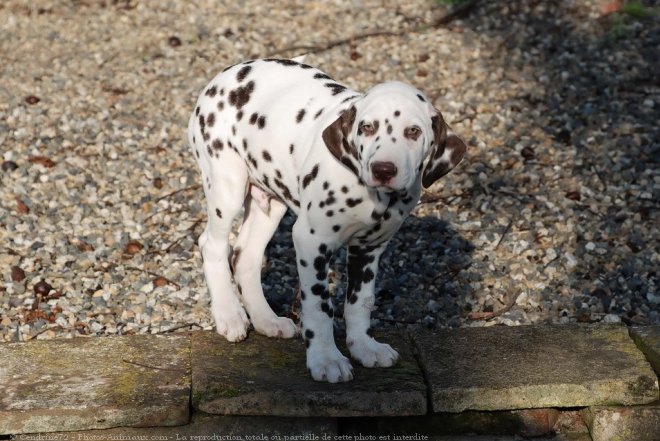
x=42 y=160
x=480 y=315
x=21 y=207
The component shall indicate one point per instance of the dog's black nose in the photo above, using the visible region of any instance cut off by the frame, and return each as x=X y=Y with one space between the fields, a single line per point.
x=383 y=171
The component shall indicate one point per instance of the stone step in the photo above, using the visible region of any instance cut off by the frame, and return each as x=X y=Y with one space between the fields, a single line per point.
x=528 y=422
x=264 y=376
x=523 y=367
x=94 y=383
x=647 y=339
x=209 y=427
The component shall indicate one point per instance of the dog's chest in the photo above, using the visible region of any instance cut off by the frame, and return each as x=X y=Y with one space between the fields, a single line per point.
x=350 y=210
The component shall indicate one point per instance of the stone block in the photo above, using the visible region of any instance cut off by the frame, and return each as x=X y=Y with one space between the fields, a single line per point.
x=265 y=376
x=209 y=427
x=526 y=422
x=499 y=368
x=94 y=383
x=638 y=423
x=647 y=339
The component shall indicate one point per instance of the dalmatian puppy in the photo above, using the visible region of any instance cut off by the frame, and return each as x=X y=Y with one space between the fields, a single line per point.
x=273 y=134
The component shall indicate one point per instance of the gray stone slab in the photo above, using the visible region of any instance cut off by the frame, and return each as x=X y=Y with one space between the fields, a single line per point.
x=638 y=423
x=263 y=376
x=94 y=383
x=647 y=339
x=210 y=427
x=527 y=422
x=500 y=368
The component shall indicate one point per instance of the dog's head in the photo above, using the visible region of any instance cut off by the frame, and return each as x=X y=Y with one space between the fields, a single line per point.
x=392 y=137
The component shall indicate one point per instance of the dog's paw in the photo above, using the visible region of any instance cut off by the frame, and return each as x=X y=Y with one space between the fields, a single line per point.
x=231 y=323
x=279 y=327
x=329 y=365
x=370 y=353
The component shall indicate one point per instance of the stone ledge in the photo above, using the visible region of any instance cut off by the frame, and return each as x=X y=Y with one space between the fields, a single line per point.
x=647 y=339
x=523 y=367
x=94 y=383
x=135 y=381
x=269 y=377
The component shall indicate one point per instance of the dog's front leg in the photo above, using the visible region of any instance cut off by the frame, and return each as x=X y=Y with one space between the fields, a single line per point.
x=313 y=252
x=362 y=270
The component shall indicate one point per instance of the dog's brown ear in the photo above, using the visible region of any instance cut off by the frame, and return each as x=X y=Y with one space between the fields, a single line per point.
x=336 y=134
x=448 y=151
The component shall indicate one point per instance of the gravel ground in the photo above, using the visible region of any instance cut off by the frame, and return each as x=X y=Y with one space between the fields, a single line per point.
x=553 y=216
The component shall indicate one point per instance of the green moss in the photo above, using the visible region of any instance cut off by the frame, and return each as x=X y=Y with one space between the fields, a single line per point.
x=124 y=386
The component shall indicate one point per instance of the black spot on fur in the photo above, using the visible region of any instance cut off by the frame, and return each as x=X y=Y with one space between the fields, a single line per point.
x=358 y=272
x=309 y=177
x=397 y=113
x=221 y=105
x=300 y=115
x=309 y=334
x=286 y=193
x=318 y=114
x=241 y=95
x=291 y=149
x=344 y=189
x=266 y=156
x=336 y=88
x=318 y=289
x=349 y=98
x=261 y=122
x=322 y=76
x=303 y=262
x=217 y=144
x=329 y=213
x=421 y=98
x=197 y=111
x=211 y=91
x=353 y=202
x=253 y=118
x=239 y=115
x=243 y=73
x=327 y=309
x=336 y=228
x=283 y=62
x=218 y=213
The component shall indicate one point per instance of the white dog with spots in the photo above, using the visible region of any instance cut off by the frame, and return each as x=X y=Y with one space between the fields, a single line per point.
x=271 y=134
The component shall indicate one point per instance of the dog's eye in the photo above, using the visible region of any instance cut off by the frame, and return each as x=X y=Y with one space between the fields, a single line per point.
x=367 y=129
x=412 y=132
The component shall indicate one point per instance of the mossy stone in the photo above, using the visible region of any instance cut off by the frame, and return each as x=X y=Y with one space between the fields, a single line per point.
x=94 y=383
x=500 y=368
x=265 y=376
